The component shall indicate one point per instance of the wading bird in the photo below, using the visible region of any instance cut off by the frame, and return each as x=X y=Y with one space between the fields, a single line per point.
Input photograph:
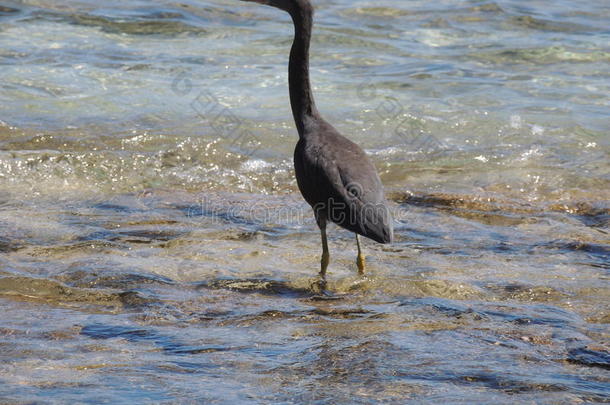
x=334 y=174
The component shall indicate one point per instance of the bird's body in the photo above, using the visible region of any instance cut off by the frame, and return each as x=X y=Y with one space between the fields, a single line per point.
x=335 y=176
x=339 y=181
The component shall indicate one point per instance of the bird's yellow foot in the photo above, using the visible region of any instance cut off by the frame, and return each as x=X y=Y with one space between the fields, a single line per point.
x=318 y=286
x=361 y=264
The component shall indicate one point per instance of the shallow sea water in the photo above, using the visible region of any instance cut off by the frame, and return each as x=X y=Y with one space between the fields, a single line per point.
x=154 y=247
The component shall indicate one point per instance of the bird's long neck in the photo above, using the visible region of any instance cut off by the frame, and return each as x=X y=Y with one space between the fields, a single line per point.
x=301 y=97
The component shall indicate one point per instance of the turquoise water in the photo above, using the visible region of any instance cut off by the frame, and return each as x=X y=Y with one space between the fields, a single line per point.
x=154 y=246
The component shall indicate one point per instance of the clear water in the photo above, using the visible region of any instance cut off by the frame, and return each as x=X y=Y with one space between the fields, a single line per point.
x=154 y=247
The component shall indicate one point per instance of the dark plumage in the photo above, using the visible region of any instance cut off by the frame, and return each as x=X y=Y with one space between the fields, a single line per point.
x=334 y=174
x=339 y=181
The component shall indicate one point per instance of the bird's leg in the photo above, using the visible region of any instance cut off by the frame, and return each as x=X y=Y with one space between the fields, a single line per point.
x=325 y=254
x=360 y=259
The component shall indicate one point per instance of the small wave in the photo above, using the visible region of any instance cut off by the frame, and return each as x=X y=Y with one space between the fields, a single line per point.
x=166 y=24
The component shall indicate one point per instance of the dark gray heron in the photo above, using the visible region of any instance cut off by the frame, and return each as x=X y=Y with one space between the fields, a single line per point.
x=334 y=174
